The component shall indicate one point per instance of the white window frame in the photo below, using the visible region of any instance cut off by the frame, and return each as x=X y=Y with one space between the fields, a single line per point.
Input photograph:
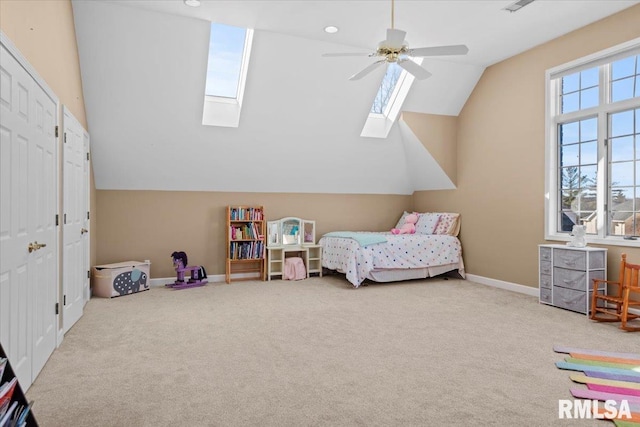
x=602 y=112
x=223 y=111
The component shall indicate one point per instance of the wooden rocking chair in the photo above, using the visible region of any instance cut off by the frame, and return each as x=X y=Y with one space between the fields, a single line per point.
x=615 y=306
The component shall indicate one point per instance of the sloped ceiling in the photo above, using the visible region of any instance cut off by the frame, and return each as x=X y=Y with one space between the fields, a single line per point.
x=143 y=67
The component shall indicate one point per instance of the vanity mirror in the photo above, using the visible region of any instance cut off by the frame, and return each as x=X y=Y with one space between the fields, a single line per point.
x=291 y=231
x=273 y=233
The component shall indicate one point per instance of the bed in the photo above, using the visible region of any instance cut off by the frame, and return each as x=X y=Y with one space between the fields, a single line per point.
x=385 y=257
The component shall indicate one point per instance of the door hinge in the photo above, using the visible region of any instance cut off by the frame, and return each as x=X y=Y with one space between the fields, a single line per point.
x=65 y=137
x=88 y=274
x=87 y=155
x=56 y=131
x=64 y=219
x=64 y=300
x=57 y=220
x=57 y=308
x=606 y=142
x=88 y=215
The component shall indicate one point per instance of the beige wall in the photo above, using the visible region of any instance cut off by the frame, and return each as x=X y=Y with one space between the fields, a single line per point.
x=44 y=32
x=501 y=149
x=139 y=225
x=438 y=134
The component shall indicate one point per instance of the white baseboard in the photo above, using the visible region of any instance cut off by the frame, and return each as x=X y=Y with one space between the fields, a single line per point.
x=159 y=282
x=527 y=290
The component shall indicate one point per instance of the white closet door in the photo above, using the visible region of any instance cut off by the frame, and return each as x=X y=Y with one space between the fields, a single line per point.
x=43 y=190
x=28 y=205
x=75 y=222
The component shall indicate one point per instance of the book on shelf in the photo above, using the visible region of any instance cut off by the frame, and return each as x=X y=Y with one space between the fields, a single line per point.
x=6 y=393
x=246 y=250
x=245 y=214
x=246 y=232
x=16 y=416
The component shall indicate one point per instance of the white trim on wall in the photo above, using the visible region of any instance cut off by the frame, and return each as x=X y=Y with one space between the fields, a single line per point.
x=514 y=287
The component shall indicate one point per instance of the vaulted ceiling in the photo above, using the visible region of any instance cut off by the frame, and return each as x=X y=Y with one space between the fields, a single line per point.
x=143 y=65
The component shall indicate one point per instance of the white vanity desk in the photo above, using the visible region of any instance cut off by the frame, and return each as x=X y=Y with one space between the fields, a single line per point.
x=296 y=237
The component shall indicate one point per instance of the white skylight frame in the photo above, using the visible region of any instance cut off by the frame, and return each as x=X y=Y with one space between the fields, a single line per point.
x=379 y=125
x=224 y=111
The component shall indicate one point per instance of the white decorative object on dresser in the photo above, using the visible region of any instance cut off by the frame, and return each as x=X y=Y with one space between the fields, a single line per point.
x=296 y=237
x=566 y=275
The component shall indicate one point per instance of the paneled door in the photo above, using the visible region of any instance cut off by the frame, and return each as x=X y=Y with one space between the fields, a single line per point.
x=28 y=207
x=75 y=219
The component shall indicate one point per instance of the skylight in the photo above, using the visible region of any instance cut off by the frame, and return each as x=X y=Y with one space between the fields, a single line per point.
x=226 y=49
x=387 y=88
x=391 y=94
x=228 y=61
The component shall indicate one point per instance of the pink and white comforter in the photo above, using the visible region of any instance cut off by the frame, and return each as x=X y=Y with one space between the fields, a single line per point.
x=403 y=251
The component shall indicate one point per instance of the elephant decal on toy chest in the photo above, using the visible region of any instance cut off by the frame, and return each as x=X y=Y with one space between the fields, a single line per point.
x=129 y=282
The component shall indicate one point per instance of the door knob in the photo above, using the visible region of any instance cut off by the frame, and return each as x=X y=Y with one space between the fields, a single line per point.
x=84 y=230
x=35 y=246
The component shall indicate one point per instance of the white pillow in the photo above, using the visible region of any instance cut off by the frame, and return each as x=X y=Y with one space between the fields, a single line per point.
x=427 y=223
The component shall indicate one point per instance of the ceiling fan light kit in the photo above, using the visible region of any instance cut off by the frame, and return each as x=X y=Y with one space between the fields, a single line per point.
x=395 y=49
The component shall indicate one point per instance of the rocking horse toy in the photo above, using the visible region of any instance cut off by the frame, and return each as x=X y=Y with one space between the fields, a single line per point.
x=198 y=276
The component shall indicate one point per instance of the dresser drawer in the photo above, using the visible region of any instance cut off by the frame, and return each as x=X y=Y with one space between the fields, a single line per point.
x=545 y=295
x=570 y=299
x=545 y=267
x=545 y=281
x=595 y=275
x=545 y=254
x=566 y=258
x=572 y=279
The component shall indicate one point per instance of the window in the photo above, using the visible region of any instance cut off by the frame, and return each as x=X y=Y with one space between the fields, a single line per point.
x=391 y=94
x=387 y=89
x=593 y=146
x=228 y=61
x=226 y=49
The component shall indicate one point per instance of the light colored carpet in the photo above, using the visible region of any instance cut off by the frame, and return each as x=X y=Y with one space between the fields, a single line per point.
x=318 y=353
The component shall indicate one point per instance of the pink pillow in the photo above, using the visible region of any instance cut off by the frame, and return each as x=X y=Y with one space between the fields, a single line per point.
x=448 y=224
x=427 y=223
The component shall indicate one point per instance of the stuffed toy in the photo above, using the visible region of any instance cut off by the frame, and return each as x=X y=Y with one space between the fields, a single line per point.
x=578 y=234
x=409 y=226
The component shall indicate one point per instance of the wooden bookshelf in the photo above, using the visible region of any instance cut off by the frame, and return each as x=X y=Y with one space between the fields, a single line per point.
x=245 y=242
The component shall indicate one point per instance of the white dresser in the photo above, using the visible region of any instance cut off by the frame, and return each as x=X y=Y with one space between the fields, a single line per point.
x=566 y=275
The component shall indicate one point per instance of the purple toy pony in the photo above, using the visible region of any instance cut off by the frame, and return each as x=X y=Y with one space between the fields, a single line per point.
x=198 y=273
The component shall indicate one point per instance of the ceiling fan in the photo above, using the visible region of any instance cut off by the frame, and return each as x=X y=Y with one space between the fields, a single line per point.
x=396 y=49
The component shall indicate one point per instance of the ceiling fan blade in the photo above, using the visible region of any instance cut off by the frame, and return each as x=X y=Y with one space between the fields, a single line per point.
x=458 y=49
x=415 y=69
x=347 y=54
x=367 y=70
x=395 y=38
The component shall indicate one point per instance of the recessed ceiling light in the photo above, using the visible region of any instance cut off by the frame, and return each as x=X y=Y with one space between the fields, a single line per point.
x=192 y=3
x=330 y=29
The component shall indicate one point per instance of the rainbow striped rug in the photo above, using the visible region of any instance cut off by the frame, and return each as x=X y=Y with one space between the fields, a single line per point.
x=612 y=378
